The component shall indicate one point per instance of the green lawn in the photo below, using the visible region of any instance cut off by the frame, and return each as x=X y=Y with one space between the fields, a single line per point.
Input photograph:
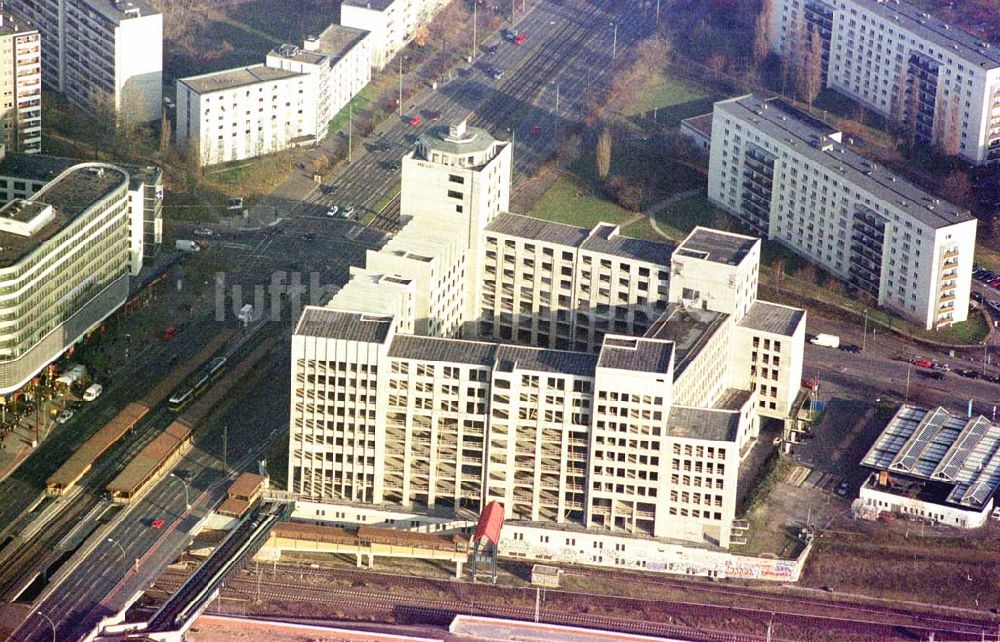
x=359 y=103
x=569 y=202
x=666 y=91
x=678 y=219
x=309 y=17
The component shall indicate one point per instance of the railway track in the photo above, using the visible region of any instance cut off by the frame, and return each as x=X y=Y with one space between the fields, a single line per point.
x=856 y=622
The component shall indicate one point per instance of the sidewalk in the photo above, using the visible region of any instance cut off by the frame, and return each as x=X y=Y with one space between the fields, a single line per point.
x=16 y=447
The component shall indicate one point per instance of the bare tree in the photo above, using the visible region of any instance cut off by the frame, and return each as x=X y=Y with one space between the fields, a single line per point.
x=166 y=134
x=778 y=273
x=809 y=76
x=762 y=33
x=604 y=152
x=957 y=188
x=717 y=62
x=950 y=130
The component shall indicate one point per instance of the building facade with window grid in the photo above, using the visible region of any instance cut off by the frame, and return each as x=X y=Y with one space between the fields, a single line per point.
x=627 y=422
x=941 y=83
x=787 y=176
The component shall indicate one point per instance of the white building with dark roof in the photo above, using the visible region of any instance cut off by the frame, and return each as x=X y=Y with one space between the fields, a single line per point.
x=787 y=176
x=933 y=465
x=392 y=23
x=891 y=56
x=480 y=355
x=101 y=54
x=20 y=84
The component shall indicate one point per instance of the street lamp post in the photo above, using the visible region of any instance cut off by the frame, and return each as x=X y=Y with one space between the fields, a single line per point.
x=400 y=84
x=864 y=337
x=614 y=41
x=120 y=548
x=52 y=624
x=187 y=494
x=475 y=24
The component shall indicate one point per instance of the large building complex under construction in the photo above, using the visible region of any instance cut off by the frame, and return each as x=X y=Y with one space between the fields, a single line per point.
x=577 y=376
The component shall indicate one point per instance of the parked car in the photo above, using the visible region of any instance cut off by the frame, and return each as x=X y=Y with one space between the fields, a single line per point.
x=234 y=204
x=348 y=211
x=520 y=38
x=941 y=367
x=923 y=363
x=64 y=416
x=967 y=373
x=842 y=488
x=157 y=523
x=496 y=73
x=850 y=347
x=435 y=115
x=508 y=34
x=92 y=392
x=333 y=211
x=203 y=231
x=416 y=120
x=390 y=165
x=381 y=146
x=490 y=50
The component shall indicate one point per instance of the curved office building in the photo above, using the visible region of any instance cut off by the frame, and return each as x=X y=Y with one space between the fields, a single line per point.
x=64 y=266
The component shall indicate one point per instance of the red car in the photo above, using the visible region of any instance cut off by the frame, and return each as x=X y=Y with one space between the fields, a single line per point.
x=536 y=130
x=995 y=283
x=416 y=120
x=169 y=333
x=157 y=523
x=923 y=363
x=520 y=39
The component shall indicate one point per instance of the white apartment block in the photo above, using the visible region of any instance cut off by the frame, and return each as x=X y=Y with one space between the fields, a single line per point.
x=392 y=23
x=102 y=54
x=339 y=60
x=635 y=423
x=24 y=174
x=20 y=84
x=939 y=81
x=245 y=112
x=64 y=268
x=787 y=176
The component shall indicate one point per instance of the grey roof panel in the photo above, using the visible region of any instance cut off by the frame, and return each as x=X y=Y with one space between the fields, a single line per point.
x=636 y=353
x=772 y=318
x=703 y=423
x=716 y=246
x=437 y=349
x=580 y=364
x=605 y=239
x=536 y=228
x=346 y=326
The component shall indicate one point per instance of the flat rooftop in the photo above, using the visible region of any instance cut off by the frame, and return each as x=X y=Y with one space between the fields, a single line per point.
x=793 y=127
x=237 y=77
x=377 y=5
x=478 y=353
x=116 y=11
x=959 y=43
x=347 y=326
x=15 y=24
x=690 y=330
x=773 y=318
x=34 y=167
x=604 y=238
x=485 y=628
x=717 y=246
x=336 y=40
x=935 y=446
x=69 y=196
x=635 y=353
x=701 y=124
x=703 y=423
x=579 y=364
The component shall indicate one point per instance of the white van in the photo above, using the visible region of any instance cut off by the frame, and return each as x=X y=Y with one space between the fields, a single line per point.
x=246 y=314
x=93 y=391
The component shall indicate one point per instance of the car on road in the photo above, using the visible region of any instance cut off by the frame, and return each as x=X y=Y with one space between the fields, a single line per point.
x=496 y=73
x=348 y=211
x=390 y=165
x=922 y=363
x=968 y=373
x=157 y=523
x=92 y=392
x=520 y=39
x=310 y=236
x=850 y=347
x=204 y=231
x=941 y=367
x=508 y=34
x=536 y=130
x=842 y=488
x=434 y=115
x=991 y=378
x=326 y=189
x=416 y=120
x=931 y=374
x=333 y=211
x=381 y=146
x=491 y=50
x=64 y=416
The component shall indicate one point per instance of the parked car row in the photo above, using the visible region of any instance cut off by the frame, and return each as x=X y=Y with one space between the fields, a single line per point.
x=983 y=275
